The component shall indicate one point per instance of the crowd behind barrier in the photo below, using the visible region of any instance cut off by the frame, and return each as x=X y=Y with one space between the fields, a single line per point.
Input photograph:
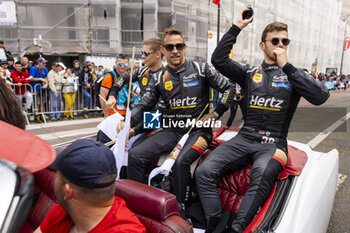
x=42 y=97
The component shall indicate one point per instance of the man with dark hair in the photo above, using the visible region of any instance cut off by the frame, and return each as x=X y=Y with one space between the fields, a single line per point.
x=99 y=71
x=26 y=63
x=272 y=92
x=85 y=188
x=10 y=61
x=85 y=79
x=20 y=77
x=184 y=87
x=38 y=79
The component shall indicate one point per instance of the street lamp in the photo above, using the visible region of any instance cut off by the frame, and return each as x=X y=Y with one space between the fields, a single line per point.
x=342 y=54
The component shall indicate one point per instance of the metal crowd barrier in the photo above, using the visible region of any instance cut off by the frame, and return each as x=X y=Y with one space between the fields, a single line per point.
x=41 y=102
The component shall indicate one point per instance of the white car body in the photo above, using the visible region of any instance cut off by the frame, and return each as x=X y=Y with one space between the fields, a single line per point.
x=309 y=206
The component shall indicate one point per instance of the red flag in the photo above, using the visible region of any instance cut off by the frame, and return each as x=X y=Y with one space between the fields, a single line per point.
x=217 y=2
x=347 y=43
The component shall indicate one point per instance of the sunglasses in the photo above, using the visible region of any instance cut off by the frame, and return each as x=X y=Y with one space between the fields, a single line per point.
x=276 y=41
x=170 y=47
x=123 y=64
x=146 y=53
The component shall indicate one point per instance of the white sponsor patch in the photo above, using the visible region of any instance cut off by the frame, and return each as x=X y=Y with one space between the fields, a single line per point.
x=227 y=135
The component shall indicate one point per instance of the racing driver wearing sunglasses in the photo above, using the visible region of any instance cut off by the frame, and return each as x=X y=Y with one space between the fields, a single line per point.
x=272 y=93
x=184 y=87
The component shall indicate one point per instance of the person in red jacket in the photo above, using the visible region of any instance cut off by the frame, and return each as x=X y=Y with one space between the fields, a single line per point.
x=20 y=76
x=85 y=188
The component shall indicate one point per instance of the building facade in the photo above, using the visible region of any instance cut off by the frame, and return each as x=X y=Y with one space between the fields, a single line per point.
x=80 y=28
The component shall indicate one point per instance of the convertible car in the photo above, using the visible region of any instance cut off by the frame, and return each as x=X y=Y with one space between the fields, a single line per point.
x=301 y=200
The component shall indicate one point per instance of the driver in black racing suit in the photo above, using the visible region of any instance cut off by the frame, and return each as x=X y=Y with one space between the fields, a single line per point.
x=272 y=93
x=184 y=87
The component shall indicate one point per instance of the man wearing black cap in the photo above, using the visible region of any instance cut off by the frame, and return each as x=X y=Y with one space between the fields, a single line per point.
x=10 y=61
x=4 y=64
x=85 y=187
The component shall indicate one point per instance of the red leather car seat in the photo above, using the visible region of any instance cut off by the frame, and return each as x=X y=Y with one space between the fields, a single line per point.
x=156 y=209
x=233 y=186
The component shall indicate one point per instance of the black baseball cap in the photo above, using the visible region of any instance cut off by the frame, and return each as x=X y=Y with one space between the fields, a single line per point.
x=85 y=162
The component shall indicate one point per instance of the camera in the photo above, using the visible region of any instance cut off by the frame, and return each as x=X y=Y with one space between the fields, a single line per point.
x=248 y=13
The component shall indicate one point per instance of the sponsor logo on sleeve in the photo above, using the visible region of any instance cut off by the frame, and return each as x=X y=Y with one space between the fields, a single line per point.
x=144 y=81
x=191 y=84
x=285 y=85
x=257 y=78
x=168 y=85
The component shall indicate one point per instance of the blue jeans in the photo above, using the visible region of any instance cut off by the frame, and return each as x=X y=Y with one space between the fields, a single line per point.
x=55 y=104
x=87 y=97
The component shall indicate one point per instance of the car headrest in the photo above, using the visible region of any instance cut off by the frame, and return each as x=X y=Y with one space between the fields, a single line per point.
x=147 y=200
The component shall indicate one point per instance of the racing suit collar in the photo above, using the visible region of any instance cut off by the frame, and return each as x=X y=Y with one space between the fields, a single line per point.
x=266 y=66
x=178 y=70
x=161 y=68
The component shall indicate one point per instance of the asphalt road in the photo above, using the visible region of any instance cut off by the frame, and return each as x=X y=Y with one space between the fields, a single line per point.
x=309 y=121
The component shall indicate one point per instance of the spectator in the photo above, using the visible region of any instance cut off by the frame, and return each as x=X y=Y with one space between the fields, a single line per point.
x=5 y=65
x=38 y=77
x=55 y=85
x=26 y=63
x=92 y=68
x=10 y=62
x=4 y=77
x=77 y=70
x=85 y=188
x=10 y=108
x=68 y=92
x=20 y=76
x=85 y=79
x=99 y=71
x=4 y=53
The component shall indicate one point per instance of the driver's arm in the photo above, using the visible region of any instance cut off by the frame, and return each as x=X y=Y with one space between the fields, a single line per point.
x=147 y=103
x=104 y=93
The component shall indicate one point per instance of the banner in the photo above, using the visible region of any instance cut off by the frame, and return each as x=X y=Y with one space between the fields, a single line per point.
x=8 y=14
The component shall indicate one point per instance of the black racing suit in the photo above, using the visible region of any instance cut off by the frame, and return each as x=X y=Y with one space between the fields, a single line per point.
x=143 y=76
x=185 y=92
x=271 y=97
